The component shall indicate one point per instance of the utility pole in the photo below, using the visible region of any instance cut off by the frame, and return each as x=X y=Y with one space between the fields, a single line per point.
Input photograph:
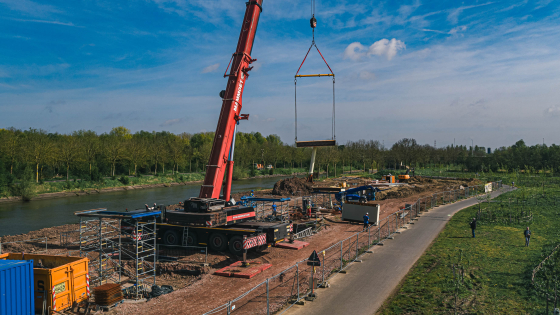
x=472 y=147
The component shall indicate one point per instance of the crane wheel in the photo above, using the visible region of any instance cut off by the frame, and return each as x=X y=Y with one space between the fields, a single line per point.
x=218 y=242
x=191 y=239
x=236 y=245
x=171 y=238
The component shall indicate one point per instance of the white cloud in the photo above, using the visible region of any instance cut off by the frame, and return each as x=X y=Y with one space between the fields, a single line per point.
x=30 y=7
x=210 y=11
x=366 y=75
x=553 y=111
x=47 y=22
x=542 y=4
x=513 y=6
x=383 y=47
x=453 y=17
x=457 y=29
x=171 y=122
x=354 y=51
x=211 y=68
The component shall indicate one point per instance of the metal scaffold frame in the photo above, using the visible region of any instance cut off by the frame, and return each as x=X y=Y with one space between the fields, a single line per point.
x=121 y=247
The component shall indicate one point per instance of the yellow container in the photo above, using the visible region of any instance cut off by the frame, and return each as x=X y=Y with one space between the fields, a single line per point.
x=64 y=279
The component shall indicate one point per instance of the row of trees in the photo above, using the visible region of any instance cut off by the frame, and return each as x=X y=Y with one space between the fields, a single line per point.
x=86 y=154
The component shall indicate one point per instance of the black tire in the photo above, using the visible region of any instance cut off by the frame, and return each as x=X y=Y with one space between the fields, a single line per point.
x=171 y=238
x=191 y=239
x=218 y=242
x=236 y=245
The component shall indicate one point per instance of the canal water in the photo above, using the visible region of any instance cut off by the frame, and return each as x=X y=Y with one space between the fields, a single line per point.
x=22 y=217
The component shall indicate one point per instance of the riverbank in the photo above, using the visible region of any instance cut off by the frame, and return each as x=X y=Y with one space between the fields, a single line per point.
x=114 y=186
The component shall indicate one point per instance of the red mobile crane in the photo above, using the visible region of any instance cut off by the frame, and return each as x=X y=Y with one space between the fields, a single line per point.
x=209 y=219
x=232 y=99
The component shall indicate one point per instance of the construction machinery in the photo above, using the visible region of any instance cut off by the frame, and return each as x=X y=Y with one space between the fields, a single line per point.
x=214 y=219
x=405 y=175
x=358 y=194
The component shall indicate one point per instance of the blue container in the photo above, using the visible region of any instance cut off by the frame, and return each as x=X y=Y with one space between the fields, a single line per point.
x=16 y=287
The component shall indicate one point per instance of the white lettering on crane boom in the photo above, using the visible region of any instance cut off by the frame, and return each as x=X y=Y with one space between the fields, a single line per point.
x=238 y=96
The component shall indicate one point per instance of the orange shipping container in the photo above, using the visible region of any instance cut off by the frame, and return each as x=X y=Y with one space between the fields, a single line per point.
x=62 y=278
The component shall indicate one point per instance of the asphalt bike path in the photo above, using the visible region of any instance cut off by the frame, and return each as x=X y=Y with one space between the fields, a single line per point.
x=368 y=284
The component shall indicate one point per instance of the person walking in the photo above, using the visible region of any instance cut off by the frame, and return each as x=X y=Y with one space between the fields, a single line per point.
x=473 y=226
x=527 y=234
x=366 y=221
x=274 y=209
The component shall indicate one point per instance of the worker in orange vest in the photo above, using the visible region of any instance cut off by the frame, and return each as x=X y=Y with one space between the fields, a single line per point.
x=309 y=210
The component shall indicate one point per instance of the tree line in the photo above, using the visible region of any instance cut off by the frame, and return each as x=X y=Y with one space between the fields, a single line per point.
x=88 y=155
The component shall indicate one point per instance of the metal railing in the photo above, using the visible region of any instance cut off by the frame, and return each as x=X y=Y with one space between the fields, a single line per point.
x=281 y=291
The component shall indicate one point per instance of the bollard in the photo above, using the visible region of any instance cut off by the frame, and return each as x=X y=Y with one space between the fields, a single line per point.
x=323 y=281
x=341 y=254
x=297 y=276
x=357 y=241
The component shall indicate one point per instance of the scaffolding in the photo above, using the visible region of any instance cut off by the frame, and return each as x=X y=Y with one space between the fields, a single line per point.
x=263 y=207
x=121 y=247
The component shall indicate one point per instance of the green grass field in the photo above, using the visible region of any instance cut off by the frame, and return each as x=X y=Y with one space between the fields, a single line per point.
x=494 y=274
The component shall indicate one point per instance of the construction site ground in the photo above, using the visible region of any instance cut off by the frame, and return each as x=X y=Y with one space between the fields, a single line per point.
x=197 y=294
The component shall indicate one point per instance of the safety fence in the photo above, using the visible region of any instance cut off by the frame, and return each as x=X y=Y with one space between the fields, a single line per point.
x=545 y=279
x=70 y=238
x=283 y=290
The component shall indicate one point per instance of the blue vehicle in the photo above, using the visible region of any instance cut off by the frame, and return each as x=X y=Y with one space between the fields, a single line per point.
x=358 y=194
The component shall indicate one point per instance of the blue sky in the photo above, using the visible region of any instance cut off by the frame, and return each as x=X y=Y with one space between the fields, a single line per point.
x=439 y=70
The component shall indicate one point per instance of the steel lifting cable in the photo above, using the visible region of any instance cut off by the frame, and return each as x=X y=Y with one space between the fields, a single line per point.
x=313 y=23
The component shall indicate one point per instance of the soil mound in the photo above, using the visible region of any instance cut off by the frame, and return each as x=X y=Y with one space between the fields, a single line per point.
x=419 y=180
x=292 y=186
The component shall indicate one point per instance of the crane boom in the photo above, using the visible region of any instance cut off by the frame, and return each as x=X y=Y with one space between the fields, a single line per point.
x=231 y=107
